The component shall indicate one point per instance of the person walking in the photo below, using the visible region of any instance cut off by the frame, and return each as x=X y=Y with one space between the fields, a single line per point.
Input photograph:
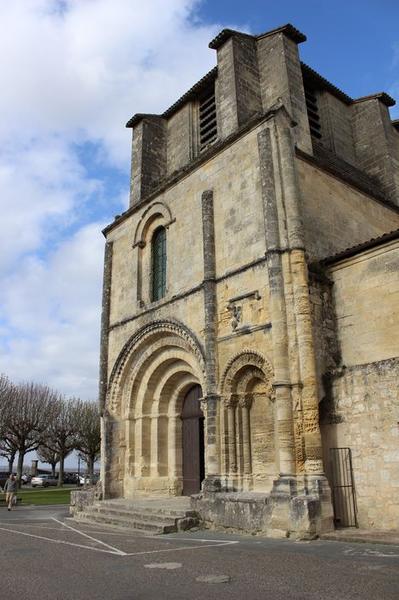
x=10 y=489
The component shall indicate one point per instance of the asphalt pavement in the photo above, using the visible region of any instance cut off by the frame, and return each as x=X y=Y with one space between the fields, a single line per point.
x=44 y=555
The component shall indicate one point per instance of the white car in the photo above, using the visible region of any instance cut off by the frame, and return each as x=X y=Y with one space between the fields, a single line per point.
x=43 y=481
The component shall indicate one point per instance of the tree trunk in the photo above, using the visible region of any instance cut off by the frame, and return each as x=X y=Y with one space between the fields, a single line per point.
x=90 y=468
x=53 y=465
x=11 y=463
x=61 y=471
x=20 y=464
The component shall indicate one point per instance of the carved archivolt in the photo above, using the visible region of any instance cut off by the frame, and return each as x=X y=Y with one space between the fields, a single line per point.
x=143 y=347
x=244 y=367
x=156 y=211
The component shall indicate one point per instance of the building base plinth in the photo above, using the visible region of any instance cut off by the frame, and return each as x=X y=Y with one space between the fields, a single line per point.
x=281 y=513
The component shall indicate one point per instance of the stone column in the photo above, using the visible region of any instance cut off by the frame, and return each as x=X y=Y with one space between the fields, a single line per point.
x=172 y=446
x=130 y=446
x=231 y=404
x=212 y=469
x=282 y=382
x=245 y=404
x=138 y=443
x=154 y=447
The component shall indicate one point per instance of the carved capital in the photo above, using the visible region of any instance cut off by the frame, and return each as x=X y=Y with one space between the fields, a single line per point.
x=204 y=405
x=231 y=401
x=246 y=401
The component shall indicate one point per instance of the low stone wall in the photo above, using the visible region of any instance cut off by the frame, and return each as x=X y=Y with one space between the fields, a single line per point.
x=80 y=499
x=275 y=515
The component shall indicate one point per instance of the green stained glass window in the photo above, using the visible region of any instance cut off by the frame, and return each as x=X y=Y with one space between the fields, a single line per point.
x=158 y=247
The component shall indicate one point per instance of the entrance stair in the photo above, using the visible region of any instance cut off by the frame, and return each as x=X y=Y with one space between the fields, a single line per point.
x=152 y=516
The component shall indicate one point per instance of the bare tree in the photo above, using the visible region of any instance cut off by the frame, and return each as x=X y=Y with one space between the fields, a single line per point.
x=8 y=445
x=62 y=432
x=49 y=456
x=27 y=418
x=6 y=390
x=8 y=450
x=88 y=441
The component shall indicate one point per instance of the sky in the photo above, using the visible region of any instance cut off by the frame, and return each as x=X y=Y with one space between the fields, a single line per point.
x=72 y=72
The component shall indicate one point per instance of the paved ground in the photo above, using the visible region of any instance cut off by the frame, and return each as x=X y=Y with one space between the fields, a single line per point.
x=43 y=555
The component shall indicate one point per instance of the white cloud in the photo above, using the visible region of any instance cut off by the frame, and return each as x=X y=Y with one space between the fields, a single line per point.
x=72 y=73
x=84 y=71
x=53 y=310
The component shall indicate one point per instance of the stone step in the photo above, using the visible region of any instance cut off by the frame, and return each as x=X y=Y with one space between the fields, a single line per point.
x=144 y=509
x=132 y=511
x=131 y=515
x=149 y=515
x=123 y=523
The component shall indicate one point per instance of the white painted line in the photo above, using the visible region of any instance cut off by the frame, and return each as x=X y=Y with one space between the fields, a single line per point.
x=47 y=528
x=179 y=549
x=115 y=550
x=167 y=566
x=219 y=542
x=40 y=537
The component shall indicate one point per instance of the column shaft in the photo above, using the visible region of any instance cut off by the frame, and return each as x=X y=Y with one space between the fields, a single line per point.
x=210 y=332
x=246 y=439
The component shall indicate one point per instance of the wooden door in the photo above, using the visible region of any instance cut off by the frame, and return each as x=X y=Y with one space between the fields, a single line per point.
x=193 y=442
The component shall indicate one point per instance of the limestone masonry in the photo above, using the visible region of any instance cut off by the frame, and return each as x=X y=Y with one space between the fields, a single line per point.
x=250 y=326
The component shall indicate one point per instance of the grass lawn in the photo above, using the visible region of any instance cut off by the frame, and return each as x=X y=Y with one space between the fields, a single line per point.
x=45 y=496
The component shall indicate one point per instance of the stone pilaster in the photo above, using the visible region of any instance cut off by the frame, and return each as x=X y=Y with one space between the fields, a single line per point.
x=212 y=478
x=300 y=288
x=105 y=312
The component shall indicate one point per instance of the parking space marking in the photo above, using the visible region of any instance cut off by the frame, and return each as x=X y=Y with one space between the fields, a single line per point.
x=40 y=537
x=216 y=545
x=116 y=550
x=196 y=543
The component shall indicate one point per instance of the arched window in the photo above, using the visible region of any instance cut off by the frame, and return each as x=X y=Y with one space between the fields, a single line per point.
x=158 y=259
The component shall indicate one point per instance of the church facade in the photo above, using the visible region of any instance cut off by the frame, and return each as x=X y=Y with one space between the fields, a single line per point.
x=250 y=325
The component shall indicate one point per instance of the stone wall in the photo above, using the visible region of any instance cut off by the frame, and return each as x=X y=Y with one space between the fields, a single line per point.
x=361 y=411
x=327 y=348
x=366 y=298
x=281 y=80
x=360 y=408
x=179 y=139
x=336 y=126
x=336 y=215
x=377 y=144
x=237 y=205
x=80 y=499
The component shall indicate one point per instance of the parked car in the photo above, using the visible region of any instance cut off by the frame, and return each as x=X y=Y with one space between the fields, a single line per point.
x=70 y=478
x=43 y=481
x=25 y=478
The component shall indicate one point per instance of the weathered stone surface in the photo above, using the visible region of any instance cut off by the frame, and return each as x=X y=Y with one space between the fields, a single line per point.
x=240 y=317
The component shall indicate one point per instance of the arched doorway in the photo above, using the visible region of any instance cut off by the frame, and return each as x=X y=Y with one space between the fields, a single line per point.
x=193 y=442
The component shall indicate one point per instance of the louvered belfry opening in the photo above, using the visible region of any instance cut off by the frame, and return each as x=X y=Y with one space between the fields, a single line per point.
x=313 y=112
x=207 y=117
